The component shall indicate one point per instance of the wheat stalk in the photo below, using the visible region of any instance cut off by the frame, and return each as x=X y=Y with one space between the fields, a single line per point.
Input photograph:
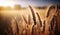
x=29 y=19
x=17 y=26
x=43 y=27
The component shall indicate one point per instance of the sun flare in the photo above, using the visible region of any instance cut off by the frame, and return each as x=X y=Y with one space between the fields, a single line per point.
x=7 y=3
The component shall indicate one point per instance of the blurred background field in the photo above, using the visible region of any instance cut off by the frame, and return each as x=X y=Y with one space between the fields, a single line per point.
x=20 y=19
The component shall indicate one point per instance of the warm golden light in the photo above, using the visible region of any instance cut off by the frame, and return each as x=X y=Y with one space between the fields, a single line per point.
x=7 y=3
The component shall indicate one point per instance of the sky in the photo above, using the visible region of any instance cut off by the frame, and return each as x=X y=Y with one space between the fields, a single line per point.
x=25 y=3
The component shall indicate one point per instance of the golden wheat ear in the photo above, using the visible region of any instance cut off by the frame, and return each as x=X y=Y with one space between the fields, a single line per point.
x=56 y=8
x=48 y=11
x=25 y=19
x=33 y=14
x=39 y=19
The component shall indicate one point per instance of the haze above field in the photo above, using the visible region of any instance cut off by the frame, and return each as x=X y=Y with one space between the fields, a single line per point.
x=25 y=3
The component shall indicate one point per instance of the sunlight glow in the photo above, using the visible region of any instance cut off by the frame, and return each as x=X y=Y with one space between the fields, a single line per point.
x=7 y=3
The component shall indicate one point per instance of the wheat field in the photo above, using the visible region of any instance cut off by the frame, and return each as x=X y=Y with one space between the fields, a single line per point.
x=30 y=21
